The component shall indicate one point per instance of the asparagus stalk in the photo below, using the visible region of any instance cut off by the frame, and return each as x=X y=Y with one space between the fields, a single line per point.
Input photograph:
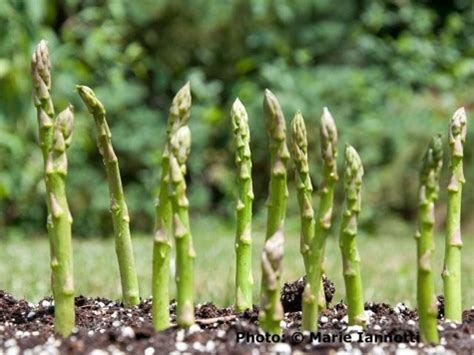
x=328 y=138
x=41 y=76
x=312 y=262
x=271 y=311
x=61 y=220
x=353 y=172
x=55 y=136
x=180 y=145
x=452 y=258
x=243 y=238
x=178 y=116
x=118 y=206
x=428 y=194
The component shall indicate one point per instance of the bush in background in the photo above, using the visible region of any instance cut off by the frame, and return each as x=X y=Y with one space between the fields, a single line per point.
x=391 y=72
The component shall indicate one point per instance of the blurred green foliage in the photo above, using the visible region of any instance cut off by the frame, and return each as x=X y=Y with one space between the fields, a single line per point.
x=391 y=72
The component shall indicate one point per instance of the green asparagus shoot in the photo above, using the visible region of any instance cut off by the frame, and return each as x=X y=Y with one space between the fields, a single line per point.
x=353 y=172
x=118 y=205
x=428 y=194
x=271 y=310
x=178 y=116
x=452 y=259
x=243 y=238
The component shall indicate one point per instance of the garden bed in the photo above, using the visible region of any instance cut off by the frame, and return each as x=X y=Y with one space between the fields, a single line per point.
x=107 y=326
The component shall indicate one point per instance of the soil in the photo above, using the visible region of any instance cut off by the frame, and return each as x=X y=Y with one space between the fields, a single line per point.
x=292 y=293
x=105 y=326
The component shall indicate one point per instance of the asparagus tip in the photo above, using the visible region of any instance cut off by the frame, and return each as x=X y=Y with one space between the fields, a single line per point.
x=41 y=69
x=353 y=162
x=328 y=127
x=299 y=143
x=239 y=117
x=41 y=54
x=275 y=119
x=183 y=96
x=90 y=99
x=328 y=136
x=433 y=159
x=270 y=101
x=237 y=106
x=457 y=125
x=180 y=108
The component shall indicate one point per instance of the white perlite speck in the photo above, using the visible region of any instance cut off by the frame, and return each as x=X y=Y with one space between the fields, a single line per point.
x=181 y=346
x=210 y=346
x=149 y=351
x=30 y=315
x=198 y=346
x=324 y=319
x=405 y=351
x=14 y=350
x=369 y=314
x=128 y=332
x=399 y=307
x=282 y=348
x=180 y=335
x=45 y=303
x=98 y=352
x=354 y=328
x=113 y=350
x=453 y=325
x=194 y=328
x=377 y=350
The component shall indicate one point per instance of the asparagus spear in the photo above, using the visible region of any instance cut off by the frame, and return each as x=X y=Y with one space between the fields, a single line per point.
x=428 y=194
x=178 y=116
x=328 y=138
x=54 y=137
x=353 y=172
x=61 y=220
x=41 y=76
x=180 y=145
x=243 y=238
x=312 y=262
x=118 y=206
x=271 y=311
x=452 y=259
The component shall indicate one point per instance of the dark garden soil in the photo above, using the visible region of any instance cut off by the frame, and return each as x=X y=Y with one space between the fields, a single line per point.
x=105 y=326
